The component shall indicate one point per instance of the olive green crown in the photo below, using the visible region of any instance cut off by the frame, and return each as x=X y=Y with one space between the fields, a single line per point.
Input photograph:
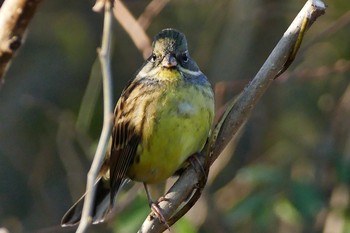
x=169 y=40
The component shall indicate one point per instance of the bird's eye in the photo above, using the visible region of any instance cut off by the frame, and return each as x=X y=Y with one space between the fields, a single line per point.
x=153 y=58
x=185 y=57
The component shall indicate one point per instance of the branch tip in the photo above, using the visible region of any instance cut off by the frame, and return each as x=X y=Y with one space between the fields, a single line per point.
x=100 y=5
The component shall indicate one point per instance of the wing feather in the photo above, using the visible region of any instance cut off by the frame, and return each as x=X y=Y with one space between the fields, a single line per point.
x=125 y=140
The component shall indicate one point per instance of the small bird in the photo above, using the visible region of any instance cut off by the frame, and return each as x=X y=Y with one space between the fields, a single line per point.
x=163 y=116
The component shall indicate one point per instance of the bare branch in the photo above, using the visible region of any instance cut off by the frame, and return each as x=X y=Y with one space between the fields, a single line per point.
x=15 y=16
x=267 y=73
x=104 y=55
x=133 y=28
x=236 y=114
x=99 y=5
x=151 y=10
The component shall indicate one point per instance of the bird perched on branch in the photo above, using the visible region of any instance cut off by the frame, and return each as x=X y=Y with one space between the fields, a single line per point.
x=162 y=117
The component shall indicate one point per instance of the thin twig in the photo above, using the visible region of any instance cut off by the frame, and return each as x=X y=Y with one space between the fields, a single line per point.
x=133 y=28
x=151 y=10
x=15 y=16
x=236 y=114
x=104 y=55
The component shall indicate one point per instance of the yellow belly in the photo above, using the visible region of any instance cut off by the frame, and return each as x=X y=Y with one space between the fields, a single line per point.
x=176 y=129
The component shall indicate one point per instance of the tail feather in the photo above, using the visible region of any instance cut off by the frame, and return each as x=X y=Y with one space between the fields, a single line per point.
x=101 y=206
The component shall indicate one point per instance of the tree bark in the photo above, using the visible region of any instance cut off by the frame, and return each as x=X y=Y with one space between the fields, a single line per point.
x=15 y=16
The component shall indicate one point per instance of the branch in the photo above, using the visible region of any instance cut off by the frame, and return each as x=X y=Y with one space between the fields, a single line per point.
x=133 y=28
x=136 y=29
x=277 y=60
x=104 y=56
x=151 y=10
x=15 y=16
x=234 y=117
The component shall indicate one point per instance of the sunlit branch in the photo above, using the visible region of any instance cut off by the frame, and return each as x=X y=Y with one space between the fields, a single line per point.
x=104 y=55
x=235 y=116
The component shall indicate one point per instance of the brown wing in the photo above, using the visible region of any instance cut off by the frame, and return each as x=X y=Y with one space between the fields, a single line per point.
x=125 y=140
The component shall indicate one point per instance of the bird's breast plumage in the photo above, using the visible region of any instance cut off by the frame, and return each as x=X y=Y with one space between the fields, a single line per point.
x=176 y=123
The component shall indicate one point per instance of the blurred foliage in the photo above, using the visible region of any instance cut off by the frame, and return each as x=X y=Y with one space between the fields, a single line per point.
x=289 y=172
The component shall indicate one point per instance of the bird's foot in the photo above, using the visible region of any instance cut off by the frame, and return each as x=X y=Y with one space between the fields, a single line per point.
x=157 y=212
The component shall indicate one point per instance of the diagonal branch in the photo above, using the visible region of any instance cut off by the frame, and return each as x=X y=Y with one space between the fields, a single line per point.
x=15 y=16
x=234 y=117
x=267 y=73
x=151 y=10
x=132 y=27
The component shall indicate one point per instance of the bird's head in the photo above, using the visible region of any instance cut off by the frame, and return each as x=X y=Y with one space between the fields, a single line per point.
x=170 y=49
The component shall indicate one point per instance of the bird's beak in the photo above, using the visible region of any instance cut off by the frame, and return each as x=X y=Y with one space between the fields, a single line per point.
x=169 y=61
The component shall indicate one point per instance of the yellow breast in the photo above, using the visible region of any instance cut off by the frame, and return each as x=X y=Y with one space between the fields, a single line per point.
x=177 y=126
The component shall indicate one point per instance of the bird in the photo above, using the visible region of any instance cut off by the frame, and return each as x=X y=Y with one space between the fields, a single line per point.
x=163 y=116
